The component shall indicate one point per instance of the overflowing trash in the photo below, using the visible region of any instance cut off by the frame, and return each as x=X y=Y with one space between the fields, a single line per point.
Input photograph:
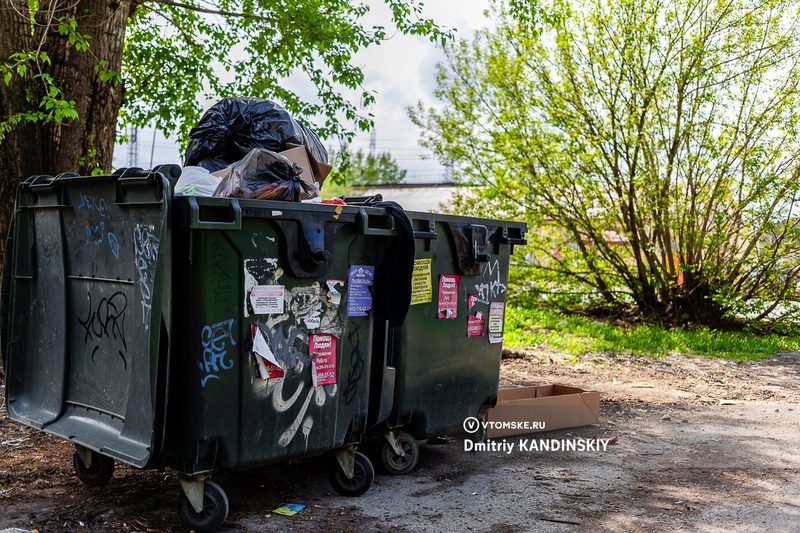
x=265 y=175
x=258 y=149
x=197 y=181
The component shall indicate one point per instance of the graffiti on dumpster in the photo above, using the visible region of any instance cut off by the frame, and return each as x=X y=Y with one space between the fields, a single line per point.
x=106 y=320
x=99 y=232
x=220 y=276
x=91 y=203
x=303 y=421
x=491 y=290
x=146 y=247
x=292 y=392
x=215 y=339
x=283 y=333
x=356 y=366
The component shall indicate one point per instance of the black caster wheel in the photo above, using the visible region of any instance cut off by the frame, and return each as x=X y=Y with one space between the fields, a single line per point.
x=214 y=513
x=363 y=475
x=97 y=473
x=401 y=464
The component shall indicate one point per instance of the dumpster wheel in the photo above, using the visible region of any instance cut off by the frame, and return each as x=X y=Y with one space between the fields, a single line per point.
x=363 y=475
x=400 y=464
x=214 y=511
x=92 y=468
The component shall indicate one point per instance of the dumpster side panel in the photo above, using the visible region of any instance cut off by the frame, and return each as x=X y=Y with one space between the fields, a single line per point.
x=84 y=360
x=246 y=388
x=36 y=330
x=447 y=353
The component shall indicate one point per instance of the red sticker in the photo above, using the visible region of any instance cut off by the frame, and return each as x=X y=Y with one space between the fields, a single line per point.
x=448 y=296
x=476 y=325
x=322 y=349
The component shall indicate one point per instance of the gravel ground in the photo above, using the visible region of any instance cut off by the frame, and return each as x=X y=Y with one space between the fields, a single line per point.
x=701 y=445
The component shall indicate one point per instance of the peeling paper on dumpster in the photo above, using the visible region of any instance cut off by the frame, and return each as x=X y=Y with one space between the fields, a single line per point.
x=334 y=294
x=267 y=364
x=322 y=349
x=476 y=324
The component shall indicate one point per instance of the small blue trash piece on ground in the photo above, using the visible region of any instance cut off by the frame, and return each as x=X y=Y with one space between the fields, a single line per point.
x=289 y=509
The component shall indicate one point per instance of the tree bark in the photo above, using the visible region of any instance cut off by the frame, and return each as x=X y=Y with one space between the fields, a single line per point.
x=47 y=147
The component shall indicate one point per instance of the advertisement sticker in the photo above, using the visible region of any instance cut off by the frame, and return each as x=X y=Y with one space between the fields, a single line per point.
x=448 y=296
x=421 y=286
x=359 y=299
x=322 y=349
x=267 y=299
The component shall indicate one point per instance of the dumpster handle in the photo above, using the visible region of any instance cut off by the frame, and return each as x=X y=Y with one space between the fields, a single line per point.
x=195 y=222
x=427 y=235
x=365 y=229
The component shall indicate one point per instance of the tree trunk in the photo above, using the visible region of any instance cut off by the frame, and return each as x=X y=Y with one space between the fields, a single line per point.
x=47 y=147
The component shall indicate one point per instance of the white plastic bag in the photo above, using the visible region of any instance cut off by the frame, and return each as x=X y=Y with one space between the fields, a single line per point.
x=196 y=181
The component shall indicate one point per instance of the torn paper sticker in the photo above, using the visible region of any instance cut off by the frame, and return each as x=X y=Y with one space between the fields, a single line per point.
x=267 y=364
x=334 y=294
x=476 y=324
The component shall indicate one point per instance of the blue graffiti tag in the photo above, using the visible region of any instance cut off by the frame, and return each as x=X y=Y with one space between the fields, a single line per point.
x=215 y=350
x=96 y=232
x=90 y=203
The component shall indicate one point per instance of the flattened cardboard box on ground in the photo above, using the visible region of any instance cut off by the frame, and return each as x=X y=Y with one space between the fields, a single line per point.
x=524 y=410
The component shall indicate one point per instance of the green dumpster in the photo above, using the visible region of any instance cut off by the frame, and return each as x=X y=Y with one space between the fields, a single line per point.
x=447 y=352
x=202 y=334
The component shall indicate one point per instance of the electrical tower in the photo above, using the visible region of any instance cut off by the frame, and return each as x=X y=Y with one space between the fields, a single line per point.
x=133 y=147
x=372 y=137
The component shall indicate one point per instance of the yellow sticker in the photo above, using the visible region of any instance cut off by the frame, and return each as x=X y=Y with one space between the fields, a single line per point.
x=421 y=287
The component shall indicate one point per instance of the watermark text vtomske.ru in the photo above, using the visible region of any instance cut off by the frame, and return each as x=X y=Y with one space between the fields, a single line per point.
x=473 y=425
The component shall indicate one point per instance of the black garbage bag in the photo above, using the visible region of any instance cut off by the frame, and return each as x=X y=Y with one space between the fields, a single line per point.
x=265 y=175
x=233 y=127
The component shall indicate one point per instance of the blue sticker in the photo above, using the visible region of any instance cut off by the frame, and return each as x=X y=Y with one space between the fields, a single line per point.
x=359 y=298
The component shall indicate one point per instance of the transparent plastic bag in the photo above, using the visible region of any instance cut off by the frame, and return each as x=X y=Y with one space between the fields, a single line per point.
x=265 y=175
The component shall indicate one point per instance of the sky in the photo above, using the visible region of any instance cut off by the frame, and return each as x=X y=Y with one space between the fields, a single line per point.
x=401 y=71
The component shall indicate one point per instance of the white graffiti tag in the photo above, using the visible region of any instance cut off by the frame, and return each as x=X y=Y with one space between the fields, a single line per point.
x=492 y=289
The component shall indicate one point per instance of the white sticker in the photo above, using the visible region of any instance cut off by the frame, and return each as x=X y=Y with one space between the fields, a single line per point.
x=267 y=299
x=496 y=314
x=277 y=213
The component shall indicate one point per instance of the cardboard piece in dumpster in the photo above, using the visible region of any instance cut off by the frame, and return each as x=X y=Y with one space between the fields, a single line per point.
x=313 y=170
x=525 y=410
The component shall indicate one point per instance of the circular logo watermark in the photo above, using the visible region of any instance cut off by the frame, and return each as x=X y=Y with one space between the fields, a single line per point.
x=472 y=424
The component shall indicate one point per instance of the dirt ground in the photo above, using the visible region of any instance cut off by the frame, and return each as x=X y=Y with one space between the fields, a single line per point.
x=701 y=445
